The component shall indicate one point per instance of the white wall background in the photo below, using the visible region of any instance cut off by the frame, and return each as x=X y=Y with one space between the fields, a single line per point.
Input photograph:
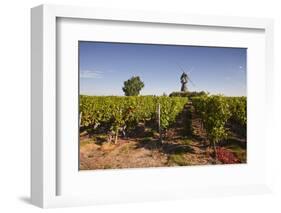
x=15 y=104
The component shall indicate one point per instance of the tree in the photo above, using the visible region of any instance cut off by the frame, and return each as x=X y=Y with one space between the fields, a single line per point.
x=133 y=86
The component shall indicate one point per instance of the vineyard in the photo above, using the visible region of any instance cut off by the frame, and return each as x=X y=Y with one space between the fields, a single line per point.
x=150 y=131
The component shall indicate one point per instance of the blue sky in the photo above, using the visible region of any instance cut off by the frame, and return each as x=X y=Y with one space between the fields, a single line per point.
x=104 y=67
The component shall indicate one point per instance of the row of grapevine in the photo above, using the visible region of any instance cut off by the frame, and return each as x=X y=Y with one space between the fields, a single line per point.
x=238 y=108
x=120 y=112
x=215 y=111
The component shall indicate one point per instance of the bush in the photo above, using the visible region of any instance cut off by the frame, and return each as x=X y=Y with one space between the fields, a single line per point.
x=187 y=94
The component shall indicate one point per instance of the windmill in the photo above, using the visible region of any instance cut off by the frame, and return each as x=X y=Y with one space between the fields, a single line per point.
x=184 y=80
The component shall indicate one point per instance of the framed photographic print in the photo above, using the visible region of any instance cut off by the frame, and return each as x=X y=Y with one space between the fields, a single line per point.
x=130 y=106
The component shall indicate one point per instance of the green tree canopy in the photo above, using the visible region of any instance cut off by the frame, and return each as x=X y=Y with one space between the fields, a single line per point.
x=133 y=86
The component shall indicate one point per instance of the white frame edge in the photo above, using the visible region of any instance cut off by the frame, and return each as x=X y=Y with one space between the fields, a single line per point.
x=43 y=85
x=43 y=106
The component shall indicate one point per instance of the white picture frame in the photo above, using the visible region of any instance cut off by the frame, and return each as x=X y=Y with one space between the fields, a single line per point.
x=45 y=163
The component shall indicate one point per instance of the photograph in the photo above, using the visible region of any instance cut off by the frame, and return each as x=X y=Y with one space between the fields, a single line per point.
x=161 y=105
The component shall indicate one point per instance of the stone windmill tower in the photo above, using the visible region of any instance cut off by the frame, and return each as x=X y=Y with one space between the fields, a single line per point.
x=184 y=80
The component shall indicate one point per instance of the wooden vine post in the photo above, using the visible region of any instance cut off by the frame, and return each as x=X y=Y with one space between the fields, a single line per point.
x=80 y=117
x=159 y=122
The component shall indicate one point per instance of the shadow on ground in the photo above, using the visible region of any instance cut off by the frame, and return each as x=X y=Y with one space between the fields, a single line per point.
x=26 y=200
